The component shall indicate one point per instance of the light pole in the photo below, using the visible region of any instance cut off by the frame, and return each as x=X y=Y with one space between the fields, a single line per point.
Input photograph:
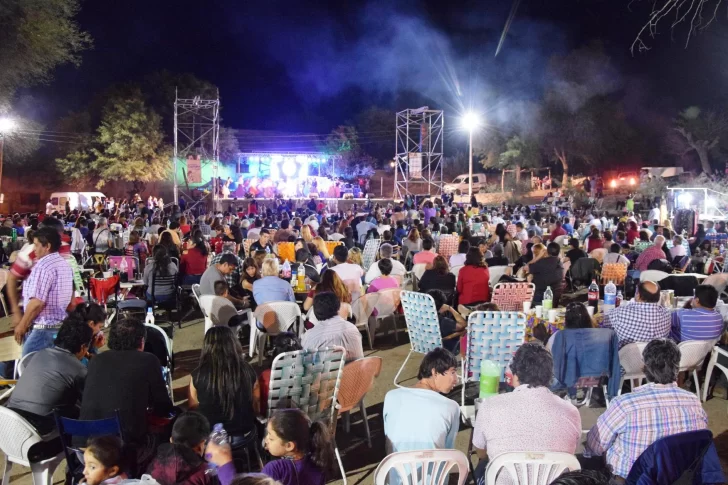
x=470 y=122
x=6 y=125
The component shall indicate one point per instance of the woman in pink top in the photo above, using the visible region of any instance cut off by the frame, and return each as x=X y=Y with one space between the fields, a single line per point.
x=385 y=281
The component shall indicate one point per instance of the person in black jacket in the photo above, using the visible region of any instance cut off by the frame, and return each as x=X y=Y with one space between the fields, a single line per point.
x=130 y=380
x=438 y=278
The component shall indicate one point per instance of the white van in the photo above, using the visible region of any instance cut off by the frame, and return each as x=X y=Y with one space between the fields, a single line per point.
x=460 y=183
x=77 y=200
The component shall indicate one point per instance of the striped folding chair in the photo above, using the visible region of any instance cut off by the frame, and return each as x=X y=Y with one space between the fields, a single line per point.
x=369 y=255
x=423 y=324
x=510 y=296
x=308 y=380
x=448 y=245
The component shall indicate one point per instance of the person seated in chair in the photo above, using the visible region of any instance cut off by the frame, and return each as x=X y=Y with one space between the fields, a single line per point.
x=331 y=329
x=634 y=421
x=222 y=311
x=700 y=321
x=385 y=252
x=531 y=418
x=226 y=265
x=162 y=266
x=452 y=324
x=421 y=417
x=54 y=378
x=181 y=461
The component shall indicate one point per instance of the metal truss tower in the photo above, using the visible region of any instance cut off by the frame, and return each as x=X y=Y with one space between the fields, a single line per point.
x=197 y=132
x=418 y=163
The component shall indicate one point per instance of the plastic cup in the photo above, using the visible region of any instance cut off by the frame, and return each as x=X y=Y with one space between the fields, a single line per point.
x=539 y=311
x=590 y=309
x=526 y=306
x=552 y=316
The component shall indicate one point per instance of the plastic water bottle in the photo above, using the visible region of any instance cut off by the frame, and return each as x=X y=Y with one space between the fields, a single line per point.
x=490 y=373
x=620 y=297
x=548 y=300
x=610 y=297
x=150 y=316
x=220 y=437
x=286 y=269
x=294 y=278
x=594 y=295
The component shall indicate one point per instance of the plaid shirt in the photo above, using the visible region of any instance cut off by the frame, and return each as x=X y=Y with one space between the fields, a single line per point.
x=634 y=421
x=647 y=256
x=51 y=282
x=638 y=322
x=233 y=279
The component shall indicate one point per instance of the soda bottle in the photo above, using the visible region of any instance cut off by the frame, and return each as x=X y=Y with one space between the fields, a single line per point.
x=594 y=295
x=301 y=274
x=548 y=300
x=286 y=269
x=610 y=297
x=619 y=299
x=15 y=235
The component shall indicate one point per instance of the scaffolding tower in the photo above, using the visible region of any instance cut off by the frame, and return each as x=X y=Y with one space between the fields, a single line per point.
x=419 y=149
x=197 y=132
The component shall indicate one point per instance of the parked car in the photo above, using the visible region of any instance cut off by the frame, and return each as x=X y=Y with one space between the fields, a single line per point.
x=625 y=180
x=459 y=185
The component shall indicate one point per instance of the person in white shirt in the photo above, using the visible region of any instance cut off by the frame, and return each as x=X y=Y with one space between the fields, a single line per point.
x=362 y=229
x=615 y=255
x=385 y=252
x=459 y=258
x=522 y=234
x=49 y=207
x=677 y=250
x=331 y=329
x=654 y=214
x=346 y=271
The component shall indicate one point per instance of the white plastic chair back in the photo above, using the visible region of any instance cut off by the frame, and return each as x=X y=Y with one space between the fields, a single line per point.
x=630 y=357
x=693 y=353
x=3 y=278
x=422 y=321
x=17 y=437
x=653 y=275
x=23 y=363
x=495 y=274
x=427 y=467
x=287 y=313
x=387 y=301
x=203 y=308
x=456 y=270
x=418 y=270
x=531 y=468
x=354 y=287
x=369 y=255
x=712 y=364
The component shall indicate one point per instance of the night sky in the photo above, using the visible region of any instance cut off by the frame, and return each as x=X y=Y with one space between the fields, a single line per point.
x=308 y=66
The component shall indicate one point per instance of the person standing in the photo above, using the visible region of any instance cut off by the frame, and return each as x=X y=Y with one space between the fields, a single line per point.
x=47 y=293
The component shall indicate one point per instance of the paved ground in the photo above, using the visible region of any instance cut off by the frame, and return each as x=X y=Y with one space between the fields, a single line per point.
x=359 y=460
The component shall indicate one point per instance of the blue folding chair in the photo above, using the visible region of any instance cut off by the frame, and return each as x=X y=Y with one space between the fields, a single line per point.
x=68 y=428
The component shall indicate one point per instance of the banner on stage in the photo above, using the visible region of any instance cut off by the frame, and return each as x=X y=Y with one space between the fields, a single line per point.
x=415 y=165
x=194 y=169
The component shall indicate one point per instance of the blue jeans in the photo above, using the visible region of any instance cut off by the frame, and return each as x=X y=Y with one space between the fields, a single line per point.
x=39 y=339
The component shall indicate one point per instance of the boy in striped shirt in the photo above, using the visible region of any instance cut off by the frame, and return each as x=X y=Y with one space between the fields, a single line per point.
x=701 y=322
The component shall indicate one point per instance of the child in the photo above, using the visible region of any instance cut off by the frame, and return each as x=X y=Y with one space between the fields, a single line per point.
x=103 y=459
x=180 y=461
x=305 y=449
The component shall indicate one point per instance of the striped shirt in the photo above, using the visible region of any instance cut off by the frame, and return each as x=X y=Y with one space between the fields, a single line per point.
x=634 y=421
x=696 y=324
x=335 y=331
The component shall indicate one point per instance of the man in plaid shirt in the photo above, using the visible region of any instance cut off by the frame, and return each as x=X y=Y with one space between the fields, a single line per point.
x=641 y=321
x=651 y=254
x=233 y=278
x=46 y=293
x=634 y=421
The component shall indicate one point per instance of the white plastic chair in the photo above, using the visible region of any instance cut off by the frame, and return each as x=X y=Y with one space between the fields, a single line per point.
x=692 y=356
x=418 y=270
x=712 y=363
x=456 y=270
x=287 y=314
x=495 y=274
x=198 y=295
x=426 y=467
x=653 y=275
x=386 y=302
x=531 y=468
x=23 y=363
x=630 y=356
x=423 y=325
x=3 y=281
x=168 y=369
x=15 y=441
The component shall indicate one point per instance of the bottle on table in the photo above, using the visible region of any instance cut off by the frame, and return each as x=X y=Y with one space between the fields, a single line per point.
x=610 y=297
x=620 y=297
x=548 y=300
x=301 y=274
x=150 y=316
x=286 y=269
x=220 y=437
x=594 y=295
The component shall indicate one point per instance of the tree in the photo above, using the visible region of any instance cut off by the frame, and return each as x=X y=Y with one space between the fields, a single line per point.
x=701 y=131
x=128 y=146
x=679 y=12
x=520 y=153
x=343 y=141
x=228 y=145
x=36 y=37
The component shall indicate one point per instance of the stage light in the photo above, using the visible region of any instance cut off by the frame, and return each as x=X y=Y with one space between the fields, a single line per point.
x=303 y=170
x=685 y=198
x=470 y=121
x=289 y=168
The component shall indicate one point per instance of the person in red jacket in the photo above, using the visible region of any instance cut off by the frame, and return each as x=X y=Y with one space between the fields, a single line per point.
x=473 y=279
x=558 y=231
x=194 y=261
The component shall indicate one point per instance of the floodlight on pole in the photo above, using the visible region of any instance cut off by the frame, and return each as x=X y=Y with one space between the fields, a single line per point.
x=470 y=122
x=6 y=125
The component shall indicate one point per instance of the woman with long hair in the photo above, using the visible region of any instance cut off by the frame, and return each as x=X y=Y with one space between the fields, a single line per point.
x=136 y=247
x=473 y=279
x=167 y=240
x=355 y=257
x=413 y=242
x=251 y=273
x=576 y=317
x=438 y=277
x=161 y=265
x=323 y=251
x=224 y=387
x=194 y=261
x=594 y=241
x=330 y=282
x=184 y=228
x=306 y=233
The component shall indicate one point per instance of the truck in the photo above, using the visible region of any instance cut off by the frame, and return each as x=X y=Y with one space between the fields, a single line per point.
x=459 y=185
x=77 y=200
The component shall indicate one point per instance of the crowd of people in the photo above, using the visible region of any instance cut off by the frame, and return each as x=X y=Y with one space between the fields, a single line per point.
x=237 y=259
